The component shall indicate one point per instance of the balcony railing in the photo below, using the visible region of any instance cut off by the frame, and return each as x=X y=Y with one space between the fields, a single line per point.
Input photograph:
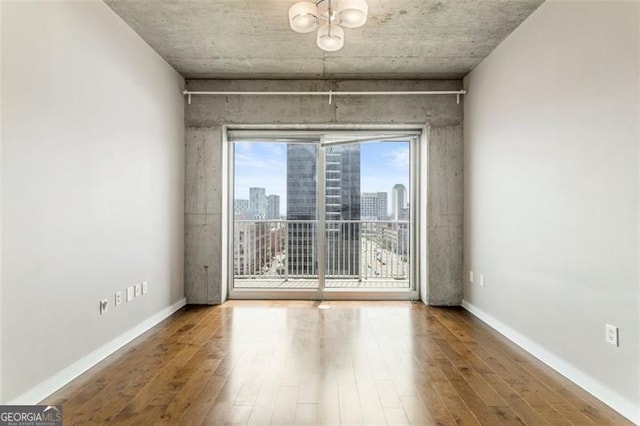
x=283 y=250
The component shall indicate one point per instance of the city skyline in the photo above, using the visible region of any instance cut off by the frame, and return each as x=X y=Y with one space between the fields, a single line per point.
x=353 y=245
x=373 y=205
x=264 y=165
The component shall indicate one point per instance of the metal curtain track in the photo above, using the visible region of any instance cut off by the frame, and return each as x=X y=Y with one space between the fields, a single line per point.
x=329 y=93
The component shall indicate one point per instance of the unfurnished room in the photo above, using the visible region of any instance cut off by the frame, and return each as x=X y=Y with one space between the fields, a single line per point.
x=320 y=212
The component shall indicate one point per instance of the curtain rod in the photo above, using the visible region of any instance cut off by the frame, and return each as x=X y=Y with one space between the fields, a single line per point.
x=329 y=93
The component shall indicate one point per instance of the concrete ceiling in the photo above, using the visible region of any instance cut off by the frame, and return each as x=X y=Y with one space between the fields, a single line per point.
x=251 y=38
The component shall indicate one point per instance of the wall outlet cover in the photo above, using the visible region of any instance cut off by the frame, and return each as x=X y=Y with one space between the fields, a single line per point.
x=130 y=294
x=612 y=334
x=118 y=298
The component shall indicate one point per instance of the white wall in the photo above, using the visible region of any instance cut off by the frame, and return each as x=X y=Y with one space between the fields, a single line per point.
x=1 y=203
x=92 y=170
x=638 y=310
x=551 y=190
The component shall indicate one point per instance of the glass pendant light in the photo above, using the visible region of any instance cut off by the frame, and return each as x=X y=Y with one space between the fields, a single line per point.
x=330 y=37
x=352 y=13
x=303 y=17
x=328 y=16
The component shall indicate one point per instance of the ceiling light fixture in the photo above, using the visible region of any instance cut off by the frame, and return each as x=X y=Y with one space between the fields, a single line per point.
x=328 y=17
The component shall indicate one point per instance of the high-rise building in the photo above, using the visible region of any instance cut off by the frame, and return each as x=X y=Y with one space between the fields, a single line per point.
x=398 y=201
x=241 y=209
x=273 y=206
x=368 y=205
x=342 y=205
x=240 y=206
x=383 y=212
x=301 y=208
x=257 y=203
x=252 y=247
x=373 y=206
x=405 y=213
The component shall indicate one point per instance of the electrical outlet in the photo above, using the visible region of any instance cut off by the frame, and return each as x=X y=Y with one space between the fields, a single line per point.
x=118 y=298
x=612 y=334
x=137 y=290
x=481 y=280
x=144 y=287
x=130 y=294
x=471 y=276
x=104 y=304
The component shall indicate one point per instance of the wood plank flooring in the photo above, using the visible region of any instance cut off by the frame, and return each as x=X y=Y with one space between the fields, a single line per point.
x=356 y=363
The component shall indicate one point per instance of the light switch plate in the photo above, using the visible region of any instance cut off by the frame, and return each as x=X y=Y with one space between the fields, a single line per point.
x=130 y=294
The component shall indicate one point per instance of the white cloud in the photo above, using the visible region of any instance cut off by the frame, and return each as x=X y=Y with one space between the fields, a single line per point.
x=399 y=158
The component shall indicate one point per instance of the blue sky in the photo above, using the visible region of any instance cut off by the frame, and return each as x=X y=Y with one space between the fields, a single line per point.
x=264 y=165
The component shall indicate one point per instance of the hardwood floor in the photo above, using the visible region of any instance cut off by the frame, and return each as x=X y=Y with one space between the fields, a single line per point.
x=290 y=363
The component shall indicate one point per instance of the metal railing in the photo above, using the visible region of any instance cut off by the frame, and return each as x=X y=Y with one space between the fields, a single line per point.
x=354 y=249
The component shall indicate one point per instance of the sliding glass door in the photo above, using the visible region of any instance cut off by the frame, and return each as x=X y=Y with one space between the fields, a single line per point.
x=367 y=214
x=322 y=214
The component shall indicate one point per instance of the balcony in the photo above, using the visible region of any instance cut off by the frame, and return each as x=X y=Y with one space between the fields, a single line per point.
x=358 y=254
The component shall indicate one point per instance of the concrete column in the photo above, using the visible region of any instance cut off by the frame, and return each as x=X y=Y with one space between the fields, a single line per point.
x=203 y=219
x=445 y=194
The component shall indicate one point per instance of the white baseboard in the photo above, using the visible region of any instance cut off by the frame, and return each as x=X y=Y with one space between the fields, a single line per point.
x=622 y=405
x=58 y=380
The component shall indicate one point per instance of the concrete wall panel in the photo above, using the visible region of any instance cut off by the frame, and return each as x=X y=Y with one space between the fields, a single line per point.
x=206 y=116
x=213 y=170
x=195 y=191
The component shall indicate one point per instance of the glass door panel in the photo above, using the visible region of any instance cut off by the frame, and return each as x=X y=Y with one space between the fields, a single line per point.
x=275 y=224
x=367 y=215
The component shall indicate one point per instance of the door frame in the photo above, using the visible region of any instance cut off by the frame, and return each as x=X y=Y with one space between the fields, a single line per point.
x=419 y=214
